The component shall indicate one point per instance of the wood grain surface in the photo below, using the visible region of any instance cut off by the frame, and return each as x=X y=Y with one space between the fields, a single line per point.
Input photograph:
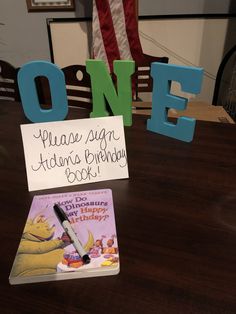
x=176 y=224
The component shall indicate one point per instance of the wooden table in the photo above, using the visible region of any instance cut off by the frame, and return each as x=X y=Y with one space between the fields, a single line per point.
x=176 y=223
x=195 y=109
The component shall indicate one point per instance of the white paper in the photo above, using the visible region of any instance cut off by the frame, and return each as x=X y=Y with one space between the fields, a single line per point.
x=74 y=152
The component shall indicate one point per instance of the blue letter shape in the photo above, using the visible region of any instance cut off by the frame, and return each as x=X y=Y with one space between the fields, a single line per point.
x=29 y=96
x=190 y=79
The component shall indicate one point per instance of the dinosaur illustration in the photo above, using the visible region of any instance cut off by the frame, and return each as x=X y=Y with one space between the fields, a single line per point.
x=38 y=252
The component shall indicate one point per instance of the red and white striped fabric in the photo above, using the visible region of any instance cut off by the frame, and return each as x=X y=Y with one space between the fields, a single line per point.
x=115 y=31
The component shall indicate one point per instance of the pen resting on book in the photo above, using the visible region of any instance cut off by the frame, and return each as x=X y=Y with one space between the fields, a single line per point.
x=69 y=230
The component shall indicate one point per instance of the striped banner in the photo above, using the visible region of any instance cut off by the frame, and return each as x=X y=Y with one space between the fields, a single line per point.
x=115 y=31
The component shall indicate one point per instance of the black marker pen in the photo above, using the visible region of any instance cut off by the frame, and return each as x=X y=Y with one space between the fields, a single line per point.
x=68 y=229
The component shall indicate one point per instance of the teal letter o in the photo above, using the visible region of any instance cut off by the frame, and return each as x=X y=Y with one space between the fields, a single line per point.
x=29 y=96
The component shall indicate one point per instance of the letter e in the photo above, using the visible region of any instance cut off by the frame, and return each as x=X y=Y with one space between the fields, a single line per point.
x=190 y=79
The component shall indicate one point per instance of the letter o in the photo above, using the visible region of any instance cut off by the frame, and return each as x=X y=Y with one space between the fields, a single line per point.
x=29 y=96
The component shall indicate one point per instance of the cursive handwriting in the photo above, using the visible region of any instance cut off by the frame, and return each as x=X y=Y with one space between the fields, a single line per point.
x=106 y=156
x=56 y=161
x=80 y=175
x=48 y=139
x=103 y=136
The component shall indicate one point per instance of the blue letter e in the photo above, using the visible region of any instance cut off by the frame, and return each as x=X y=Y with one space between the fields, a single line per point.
x=190 y=79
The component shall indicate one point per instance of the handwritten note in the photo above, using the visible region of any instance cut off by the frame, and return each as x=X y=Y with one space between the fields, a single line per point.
x=74 y=152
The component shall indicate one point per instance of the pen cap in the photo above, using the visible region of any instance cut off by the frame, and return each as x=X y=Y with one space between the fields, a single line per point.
x=86 y=259
x=60 y=213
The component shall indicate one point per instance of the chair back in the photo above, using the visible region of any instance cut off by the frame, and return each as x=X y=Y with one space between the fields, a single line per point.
x=8 y=82
x=144 y=81
x=78 y=86
x=225 y=85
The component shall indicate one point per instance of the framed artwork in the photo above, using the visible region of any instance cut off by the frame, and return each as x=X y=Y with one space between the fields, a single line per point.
x=187 y=42
x=70 y=40
x=50 y=5
x=149 y=9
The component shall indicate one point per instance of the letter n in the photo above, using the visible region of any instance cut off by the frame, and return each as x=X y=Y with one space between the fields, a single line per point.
x=120 y=102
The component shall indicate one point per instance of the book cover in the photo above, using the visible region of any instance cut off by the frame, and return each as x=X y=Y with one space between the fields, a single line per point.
x=45 y=251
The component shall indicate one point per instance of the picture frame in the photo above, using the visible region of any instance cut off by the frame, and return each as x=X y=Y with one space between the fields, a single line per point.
x=186 y=9
x=70 y=40
x=50 y=5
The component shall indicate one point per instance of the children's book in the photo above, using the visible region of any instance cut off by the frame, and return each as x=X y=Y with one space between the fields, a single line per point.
x=45 y=251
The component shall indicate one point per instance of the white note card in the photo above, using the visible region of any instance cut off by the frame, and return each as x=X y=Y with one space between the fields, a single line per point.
x=74 y=152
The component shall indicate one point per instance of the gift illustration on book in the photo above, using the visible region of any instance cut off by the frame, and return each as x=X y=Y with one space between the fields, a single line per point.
x=46 y=251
